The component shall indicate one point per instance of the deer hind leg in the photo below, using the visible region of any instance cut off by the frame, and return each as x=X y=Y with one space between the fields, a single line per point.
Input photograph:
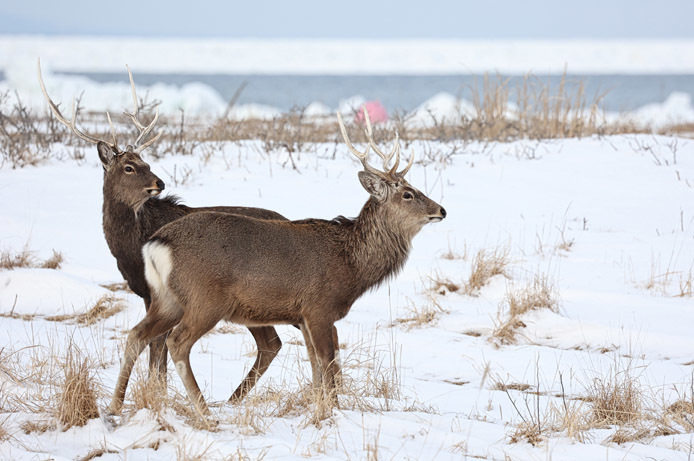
x=180 y=342
x=156 y=323
x=269 y=344
x=321 y=338
x=158 y=353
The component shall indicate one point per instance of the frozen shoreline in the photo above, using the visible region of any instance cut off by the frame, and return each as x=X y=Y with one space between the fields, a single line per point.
x=331 y=57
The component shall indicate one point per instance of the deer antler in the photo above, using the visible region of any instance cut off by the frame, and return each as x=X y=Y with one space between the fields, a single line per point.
x=69 y=123
x=144 y=130
x=391 y=171
x=362 y=156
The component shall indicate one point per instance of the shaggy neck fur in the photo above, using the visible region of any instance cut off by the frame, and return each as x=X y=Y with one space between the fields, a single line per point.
x=379 y=249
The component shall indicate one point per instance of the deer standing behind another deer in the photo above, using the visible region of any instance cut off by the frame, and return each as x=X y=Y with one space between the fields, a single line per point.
x=206 y=267
x=132 y=212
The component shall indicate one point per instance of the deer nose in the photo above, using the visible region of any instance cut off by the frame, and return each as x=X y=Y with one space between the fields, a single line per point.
x=160 y=184
x=443 y=212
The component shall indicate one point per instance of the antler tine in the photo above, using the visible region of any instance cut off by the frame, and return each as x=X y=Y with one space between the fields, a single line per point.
x=148 y=143
x=54 y=108
x=362 y=156
x=144 y=130
x=402 y=173
x=386 y=158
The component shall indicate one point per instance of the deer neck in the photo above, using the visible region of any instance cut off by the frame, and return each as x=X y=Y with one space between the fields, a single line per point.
x=379 y=249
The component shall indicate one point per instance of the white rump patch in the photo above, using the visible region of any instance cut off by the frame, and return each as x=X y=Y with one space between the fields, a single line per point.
x=158 y=265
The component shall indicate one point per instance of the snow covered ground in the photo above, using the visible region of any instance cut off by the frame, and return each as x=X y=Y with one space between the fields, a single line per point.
x=608 y=223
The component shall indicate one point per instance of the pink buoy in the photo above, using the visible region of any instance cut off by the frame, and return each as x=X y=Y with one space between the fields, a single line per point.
x=377 y=113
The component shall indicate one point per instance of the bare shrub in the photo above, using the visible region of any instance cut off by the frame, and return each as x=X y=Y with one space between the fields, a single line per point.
x=486 y=265
x=538 y=294
x=77 y=399
x=24 y=140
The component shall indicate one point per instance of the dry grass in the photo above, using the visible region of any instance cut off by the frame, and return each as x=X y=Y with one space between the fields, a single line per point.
x=53 y=262
x=36 y=427
x=539 y=294
x=77 y=399
x=148 y=393
x=421 y=316
x=4 y=433
x=21 y=259
x=25 y=258
x=105 y=307
x=117 y=286
x=616 y=397
x=486 y=265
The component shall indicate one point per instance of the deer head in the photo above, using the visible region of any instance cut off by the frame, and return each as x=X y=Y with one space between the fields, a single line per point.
x=127 y=178
x=401 y=204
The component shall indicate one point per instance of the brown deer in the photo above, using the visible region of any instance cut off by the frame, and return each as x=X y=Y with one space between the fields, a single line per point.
x=206 y=267
x=133 y=212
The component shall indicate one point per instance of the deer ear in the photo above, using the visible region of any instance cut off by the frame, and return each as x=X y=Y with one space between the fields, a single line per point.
x=374 y=185
x=106 y=154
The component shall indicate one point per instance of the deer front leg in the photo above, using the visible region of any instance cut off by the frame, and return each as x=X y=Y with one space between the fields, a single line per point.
x=268 y=344
x=317 y=375
x=321 y=338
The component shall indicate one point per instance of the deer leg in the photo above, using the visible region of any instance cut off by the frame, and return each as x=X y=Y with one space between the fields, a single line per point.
x=157 y=354
x=321 y=335
x=315 y=367
x=180 y=342
x=338 y=363
x=152 y=326
x=269 y=344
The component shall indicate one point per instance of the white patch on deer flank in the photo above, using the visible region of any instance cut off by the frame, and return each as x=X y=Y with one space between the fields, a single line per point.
x=158 y=265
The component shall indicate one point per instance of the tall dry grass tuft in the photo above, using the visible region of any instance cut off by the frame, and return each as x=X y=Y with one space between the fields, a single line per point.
x=54 y=261
x=149 y=393
x=485 y=265
x=538 y=294
x=616 y=396
x=77 y=400
x=16 y=260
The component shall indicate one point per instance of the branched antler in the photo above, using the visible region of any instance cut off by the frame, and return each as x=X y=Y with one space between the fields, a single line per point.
x=386 y=158
x=72 y=123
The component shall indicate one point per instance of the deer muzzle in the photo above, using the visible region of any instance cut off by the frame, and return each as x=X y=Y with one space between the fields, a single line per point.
x=156 y=188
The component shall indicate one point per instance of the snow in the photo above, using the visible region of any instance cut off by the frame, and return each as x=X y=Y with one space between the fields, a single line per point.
x=625 y=203
x=347 y=57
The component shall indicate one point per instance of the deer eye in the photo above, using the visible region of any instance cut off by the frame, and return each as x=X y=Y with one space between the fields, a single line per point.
x=129 y=169
x=407 y=196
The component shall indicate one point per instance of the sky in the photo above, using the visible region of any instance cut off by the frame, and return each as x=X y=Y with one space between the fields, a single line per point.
x=462 y=19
